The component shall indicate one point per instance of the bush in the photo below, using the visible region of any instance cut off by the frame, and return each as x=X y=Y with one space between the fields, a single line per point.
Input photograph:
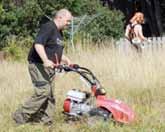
x=13 y=52
x=24 y=20
x=107 y=25
x=21 y=21
x=17 y=47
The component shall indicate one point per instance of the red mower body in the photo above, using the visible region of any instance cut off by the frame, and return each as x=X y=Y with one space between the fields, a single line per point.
x=77 y=103
x=120 y=111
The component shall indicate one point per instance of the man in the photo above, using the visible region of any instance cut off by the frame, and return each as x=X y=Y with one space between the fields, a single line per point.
x=45 y=54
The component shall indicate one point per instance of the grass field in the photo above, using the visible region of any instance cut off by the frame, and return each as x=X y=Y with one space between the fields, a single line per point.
x=138 y=80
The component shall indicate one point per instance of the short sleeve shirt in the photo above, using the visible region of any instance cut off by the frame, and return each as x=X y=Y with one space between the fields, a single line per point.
x=51 y=38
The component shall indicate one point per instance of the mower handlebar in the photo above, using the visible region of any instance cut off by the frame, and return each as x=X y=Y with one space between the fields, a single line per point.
x=67 y=68
x=82 y=71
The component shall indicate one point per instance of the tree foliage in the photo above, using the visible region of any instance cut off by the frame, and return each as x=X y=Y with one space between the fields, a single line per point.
x=107 y=25
x=23 y=17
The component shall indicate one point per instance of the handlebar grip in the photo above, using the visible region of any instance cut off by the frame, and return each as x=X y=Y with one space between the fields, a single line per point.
x=66 y=67
x=75 y=66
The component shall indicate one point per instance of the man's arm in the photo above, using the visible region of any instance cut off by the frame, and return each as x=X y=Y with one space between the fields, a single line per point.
x=127 y=32
x=41 y=52
x=65 y=60
x=139 y=31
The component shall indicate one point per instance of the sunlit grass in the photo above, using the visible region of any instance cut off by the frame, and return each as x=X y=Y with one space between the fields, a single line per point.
x=138 y=80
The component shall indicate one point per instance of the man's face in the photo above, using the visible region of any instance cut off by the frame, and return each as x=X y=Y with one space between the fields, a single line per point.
x=65 y=21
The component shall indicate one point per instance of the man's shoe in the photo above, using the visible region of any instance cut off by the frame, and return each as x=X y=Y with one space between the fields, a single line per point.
x=46 y=120
x=19 y=118
x=48 y=123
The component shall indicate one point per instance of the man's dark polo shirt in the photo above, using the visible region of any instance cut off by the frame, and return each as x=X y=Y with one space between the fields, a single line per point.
x=51 y=39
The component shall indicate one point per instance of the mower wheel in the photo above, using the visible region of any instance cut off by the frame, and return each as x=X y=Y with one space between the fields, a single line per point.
x=101 y=113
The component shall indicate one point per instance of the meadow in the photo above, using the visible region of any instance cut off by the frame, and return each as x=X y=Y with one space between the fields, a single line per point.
x=137 y=79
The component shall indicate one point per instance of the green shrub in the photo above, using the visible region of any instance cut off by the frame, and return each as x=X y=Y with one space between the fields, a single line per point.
x=24 y=20
x=107 y=25
x=13 y=52
x=21 y=21
x=17 y=47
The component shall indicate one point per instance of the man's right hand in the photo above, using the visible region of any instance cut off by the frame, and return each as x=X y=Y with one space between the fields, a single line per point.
x=49 y=64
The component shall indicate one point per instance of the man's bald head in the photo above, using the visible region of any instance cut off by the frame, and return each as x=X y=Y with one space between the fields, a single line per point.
x=62 y=18
x=63 y=13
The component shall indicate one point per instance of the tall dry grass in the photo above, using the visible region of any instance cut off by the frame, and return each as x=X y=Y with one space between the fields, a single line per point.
x=137 y=79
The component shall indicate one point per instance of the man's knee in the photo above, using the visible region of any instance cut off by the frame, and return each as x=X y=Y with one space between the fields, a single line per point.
x=42 y=88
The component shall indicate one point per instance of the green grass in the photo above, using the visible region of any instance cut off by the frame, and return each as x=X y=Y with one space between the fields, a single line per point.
x=137 y=80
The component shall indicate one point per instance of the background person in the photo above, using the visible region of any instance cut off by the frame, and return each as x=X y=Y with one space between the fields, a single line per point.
x=134 y=31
